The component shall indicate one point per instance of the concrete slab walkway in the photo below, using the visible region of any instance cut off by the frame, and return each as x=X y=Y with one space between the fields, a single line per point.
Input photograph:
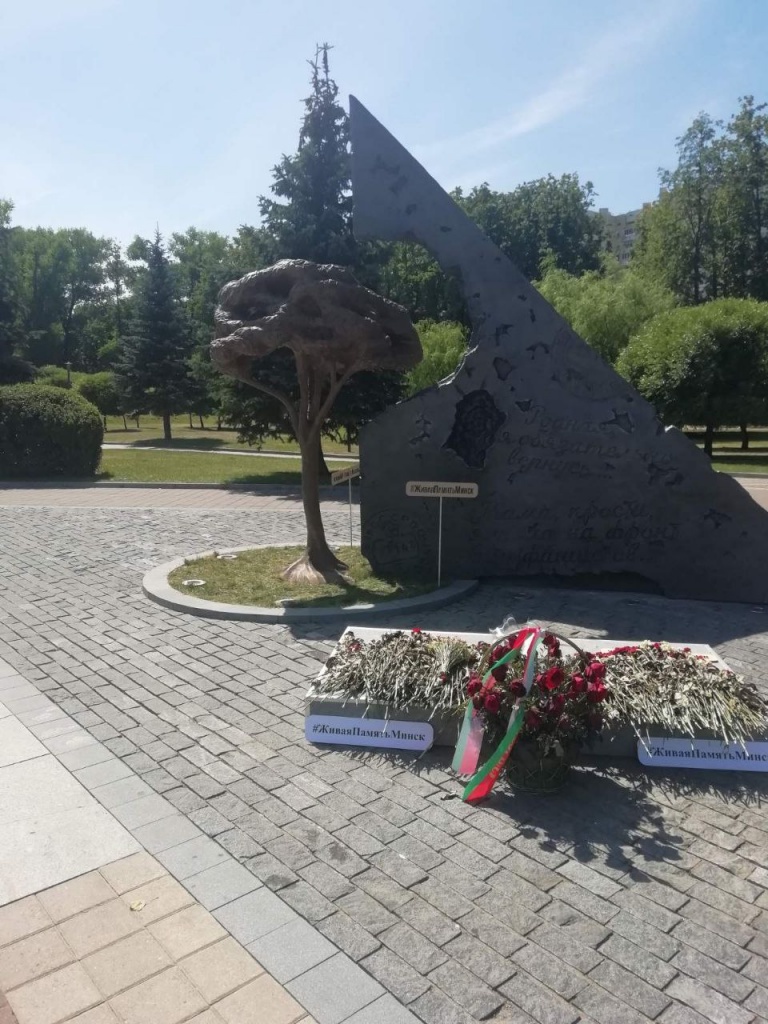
x=97 y=930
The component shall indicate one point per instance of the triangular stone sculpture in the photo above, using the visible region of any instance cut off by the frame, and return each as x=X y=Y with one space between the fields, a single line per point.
x=576 y=473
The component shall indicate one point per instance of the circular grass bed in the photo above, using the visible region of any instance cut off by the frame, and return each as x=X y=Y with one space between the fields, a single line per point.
x=253 y=578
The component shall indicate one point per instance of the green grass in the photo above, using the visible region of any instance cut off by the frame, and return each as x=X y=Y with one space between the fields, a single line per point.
x=743 y=467
x=253 y=578
x=194 y=468
x=151 y=433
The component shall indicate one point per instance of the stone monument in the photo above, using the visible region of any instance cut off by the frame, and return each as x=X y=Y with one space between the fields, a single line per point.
x=576 y=473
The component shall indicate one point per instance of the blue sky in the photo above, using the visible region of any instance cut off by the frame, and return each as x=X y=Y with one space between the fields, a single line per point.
x=119 y=114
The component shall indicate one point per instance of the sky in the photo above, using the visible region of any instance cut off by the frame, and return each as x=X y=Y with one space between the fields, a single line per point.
x=120 y=115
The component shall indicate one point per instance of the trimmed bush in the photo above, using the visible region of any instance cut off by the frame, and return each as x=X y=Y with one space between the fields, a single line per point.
x=47 y=432
x=100 y=390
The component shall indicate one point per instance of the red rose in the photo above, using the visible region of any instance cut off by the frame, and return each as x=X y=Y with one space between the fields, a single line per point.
x=556 y=704
x=533 y=719
x=517 y=688
x=474 y=685
x=597 y=692
x=551 y=679
x=552 y=644
x=578 y=685
x=415 y=629
x=499 y=673
x=492 y=703
x=595 y=671
x=498 y=652
x=477 y=701
x=595 y=720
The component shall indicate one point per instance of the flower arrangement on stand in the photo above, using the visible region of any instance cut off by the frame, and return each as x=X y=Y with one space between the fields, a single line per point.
x=566 y=707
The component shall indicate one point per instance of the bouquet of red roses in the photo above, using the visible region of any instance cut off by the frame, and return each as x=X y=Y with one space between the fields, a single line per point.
x=566 y=706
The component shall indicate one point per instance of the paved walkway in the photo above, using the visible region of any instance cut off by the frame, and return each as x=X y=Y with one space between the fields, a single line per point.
x=626 y=898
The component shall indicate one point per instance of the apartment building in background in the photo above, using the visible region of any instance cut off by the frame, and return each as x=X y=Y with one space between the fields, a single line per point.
x=620 y=231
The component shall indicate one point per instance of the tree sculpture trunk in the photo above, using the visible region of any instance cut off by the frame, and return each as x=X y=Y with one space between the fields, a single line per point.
x=318 y=563
x=167 y=426
x=744 y=437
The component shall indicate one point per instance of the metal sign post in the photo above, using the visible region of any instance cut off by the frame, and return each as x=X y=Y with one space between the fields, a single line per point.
x=338 y=477
x=440 y=490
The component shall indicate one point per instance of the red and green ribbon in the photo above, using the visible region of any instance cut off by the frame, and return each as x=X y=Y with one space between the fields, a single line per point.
x=482 y=782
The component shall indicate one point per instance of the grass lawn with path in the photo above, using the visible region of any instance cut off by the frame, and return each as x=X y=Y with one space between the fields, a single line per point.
x=253 y=577
x=193 y=468
x=151 y=433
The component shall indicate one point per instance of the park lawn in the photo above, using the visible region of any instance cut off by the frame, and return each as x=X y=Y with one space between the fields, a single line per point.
x=742 y=467
x=253 y=578
x=196 y=468
x=151 y=433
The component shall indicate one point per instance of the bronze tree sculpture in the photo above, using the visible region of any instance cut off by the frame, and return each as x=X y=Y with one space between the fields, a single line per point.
x=334 y=327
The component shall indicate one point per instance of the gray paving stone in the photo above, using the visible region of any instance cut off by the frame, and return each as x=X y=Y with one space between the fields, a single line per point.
x=605 y=1008
x=307 y=901
x=220 y=884
x=437 y=927
x=710 y=944
x=397 y=976
x=466 y=989
x=368 y=912
x=122 y=791
x=255 y=915
x=191 y=857
x=291 y=949
x=398 y=867
x=483 y=961
x=705 y=1000
x=384 y=1010
x=413 y=947
x=642 y=963
x=271 y=872
x=326 y=880
x=731 y=984
x=630 y=989
x=549 y=970
x=434 y=1007
x=348 y=935
x=166 y=832
x=143 y=811
x=335 y=989
x=102 y=773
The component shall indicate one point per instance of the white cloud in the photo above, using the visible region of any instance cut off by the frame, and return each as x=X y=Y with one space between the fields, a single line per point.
x=617 y=48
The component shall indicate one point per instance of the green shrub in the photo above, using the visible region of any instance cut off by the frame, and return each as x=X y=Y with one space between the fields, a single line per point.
x=15 y=371
x=47 y=432
x=100 y=390
x=52 y=376
x=703 y=365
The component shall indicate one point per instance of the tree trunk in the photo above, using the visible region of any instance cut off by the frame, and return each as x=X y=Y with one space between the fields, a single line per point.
x=167 y=426
x=349 y=441
x=105 y=422
x=218 y=422
x=138 y=425
x=318 y=563
x=125 y=422
x=323 y=473
x=202 y=424
x=744 y=437
x=709 y=431
x=190 y=421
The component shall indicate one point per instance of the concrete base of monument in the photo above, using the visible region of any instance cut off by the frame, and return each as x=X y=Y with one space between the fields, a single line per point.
x=614 y=743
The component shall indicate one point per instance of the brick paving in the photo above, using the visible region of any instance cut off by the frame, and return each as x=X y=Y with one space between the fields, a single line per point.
x=627 y=897
x=129 y=944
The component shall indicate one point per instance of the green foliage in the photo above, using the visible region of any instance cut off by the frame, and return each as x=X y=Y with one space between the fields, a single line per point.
x=707 y=237
x=100 y=389
x=153 y=369
x=608 y=307
x=315 y=222
x=549 y=215
x=704 y=364
x=444 y=345
x=54 y=376
x=47 y=432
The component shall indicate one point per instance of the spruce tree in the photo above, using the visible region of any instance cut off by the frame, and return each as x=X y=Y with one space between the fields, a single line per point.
x=153 y=369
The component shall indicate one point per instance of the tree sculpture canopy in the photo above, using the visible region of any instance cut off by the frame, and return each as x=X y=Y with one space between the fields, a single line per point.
x=334 y=327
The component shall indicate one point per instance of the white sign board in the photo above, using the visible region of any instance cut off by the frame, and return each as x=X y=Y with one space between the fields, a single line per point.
x=340 y=475
x=439 y=489
x=713 y=755
x=368 y=732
